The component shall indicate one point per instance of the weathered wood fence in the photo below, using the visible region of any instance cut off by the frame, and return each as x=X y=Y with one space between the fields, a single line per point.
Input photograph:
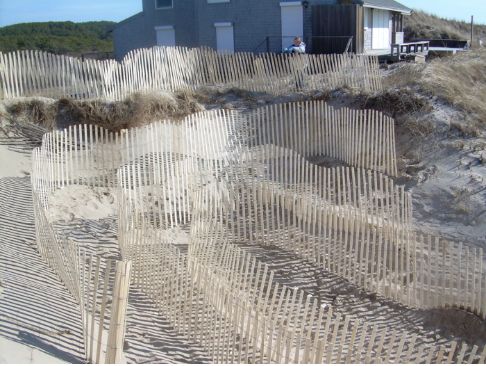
x=385 y=258
x=285 y=325
x=220 y=296
x=359 y=138
x=235 y=179
x=36 y=73
x=99 y=285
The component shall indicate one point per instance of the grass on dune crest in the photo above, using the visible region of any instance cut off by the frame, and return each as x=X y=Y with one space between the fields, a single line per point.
x=423 y=25
x=136 y=110
x=458 y=81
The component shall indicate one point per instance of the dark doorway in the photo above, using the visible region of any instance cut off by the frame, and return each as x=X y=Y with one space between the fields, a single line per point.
x=332 y=25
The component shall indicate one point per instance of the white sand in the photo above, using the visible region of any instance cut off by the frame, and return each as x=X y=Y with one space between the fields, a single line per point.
x=13 y=163
x=17 y=353
x=82 y=202
x=39 y=320
x=36 y=310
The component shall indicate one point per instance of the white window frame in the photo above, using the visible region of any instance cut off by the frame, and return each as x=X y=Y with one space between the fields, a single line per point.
x=296 y=21
x=220 y=27
x=291 y=3
x=165 y=28
x=218 y=1
x=165 y=7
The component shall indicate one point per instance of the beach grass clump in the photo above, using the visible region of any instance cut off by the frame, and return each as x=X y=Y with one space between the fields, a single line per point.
x=397 y=102
x=460 y=81
x=136 y=110
x=422 y=25
x=39 y=110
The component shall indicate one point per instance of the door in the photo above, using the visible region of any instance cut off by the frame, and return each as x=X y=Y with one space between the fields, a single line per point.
x=165 y=36
x=292 y=22
x=381 y=29
x=224 y=37
x=333 y=26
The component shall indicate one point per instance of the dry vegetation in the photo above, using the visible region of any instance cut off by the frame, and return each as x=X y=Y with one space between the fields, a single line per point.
x=422 y=25
x=397 y=102
x=458 y=81
x=409 y=93
x=136 y=110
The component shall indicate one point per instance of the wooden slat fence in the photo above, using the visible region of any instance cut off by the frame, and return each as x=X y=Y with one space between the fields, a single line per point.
x=36 y=73
x=99 y=286
x=220 y=296
x=196 y=156
x=285 y=325
x=359 y=138
x=220 y=174
x=377 y=253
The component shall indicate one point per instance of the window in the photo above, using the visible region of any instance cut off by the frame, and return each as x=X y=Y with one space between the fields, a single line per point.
x=165 y=35
x=163 y=4
x=291 y=13
x=224 y=37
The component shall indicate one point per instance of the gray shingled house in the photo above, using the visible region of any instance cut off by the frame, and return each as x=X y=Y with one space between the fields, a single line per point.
x=263 y=25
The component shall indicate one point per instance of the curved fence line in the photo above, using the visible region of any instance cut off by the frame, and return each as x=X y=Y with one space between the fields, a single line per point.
x=220 y=296
x=100 y=286
x=359 y=138
x=37 y=73
x=289 y=321
x=221 y=175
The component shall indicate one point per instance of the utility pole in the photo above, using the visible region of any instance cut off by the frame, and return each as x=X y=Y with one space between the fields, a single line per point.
x=472 y=23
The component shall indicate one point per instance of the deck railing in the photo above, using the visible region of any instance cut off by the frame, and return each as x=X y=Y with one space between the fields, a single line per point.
x=399 y=50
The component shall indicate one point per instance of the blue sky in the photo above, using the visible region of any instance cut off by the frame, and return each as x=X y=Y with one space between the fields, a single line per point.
x=451 y=9
x=22 y=11
x=25 y=11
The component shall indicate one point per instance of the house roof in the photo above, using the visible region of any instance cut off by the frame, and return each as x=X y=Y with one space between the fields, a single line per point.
x=384 y=4
x=110 y=29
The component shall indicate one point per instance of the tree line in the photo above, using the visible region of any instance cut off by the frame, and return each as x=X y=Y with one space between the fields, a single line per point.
x=60 y=38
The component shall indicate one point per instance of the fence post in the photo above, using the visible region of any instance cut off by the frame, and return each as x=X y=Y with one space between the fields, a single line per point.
x=2 y=73
x=116 y=334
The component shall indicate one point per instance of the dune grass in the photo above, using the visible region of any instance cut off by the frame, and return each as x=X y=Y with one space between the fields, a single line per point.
x=423 y=25
x=459 y=81
x=136 y=110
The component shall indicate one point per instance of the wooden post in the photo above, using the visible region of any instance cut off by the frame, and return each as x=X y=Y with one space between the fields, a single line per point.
x=472 y=30
x=116 y=335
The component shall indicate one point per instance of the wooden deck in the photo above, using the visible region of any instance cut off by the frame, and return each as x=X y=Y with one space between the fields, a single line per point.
x=444 y=51
x=401 y=50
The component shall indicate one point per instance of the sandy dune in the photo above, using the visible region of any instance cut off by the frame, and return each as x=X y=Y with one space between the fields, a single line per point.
x=40 y=321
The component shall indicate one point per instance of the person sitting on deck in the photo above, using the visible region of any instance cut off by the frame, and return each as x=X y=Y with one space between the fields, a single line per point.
x=297 y=47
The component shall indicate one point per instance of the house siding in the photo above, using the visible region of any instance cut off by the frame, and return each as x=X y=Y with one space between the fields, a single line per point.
x=193 y=22
x=368 y=32
x=368 y=39
x=191 y=31
x=249 y=30
x=245 y=16
x=182 y=17
x=399 y=37
x=139 y=30
x=131 y=34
